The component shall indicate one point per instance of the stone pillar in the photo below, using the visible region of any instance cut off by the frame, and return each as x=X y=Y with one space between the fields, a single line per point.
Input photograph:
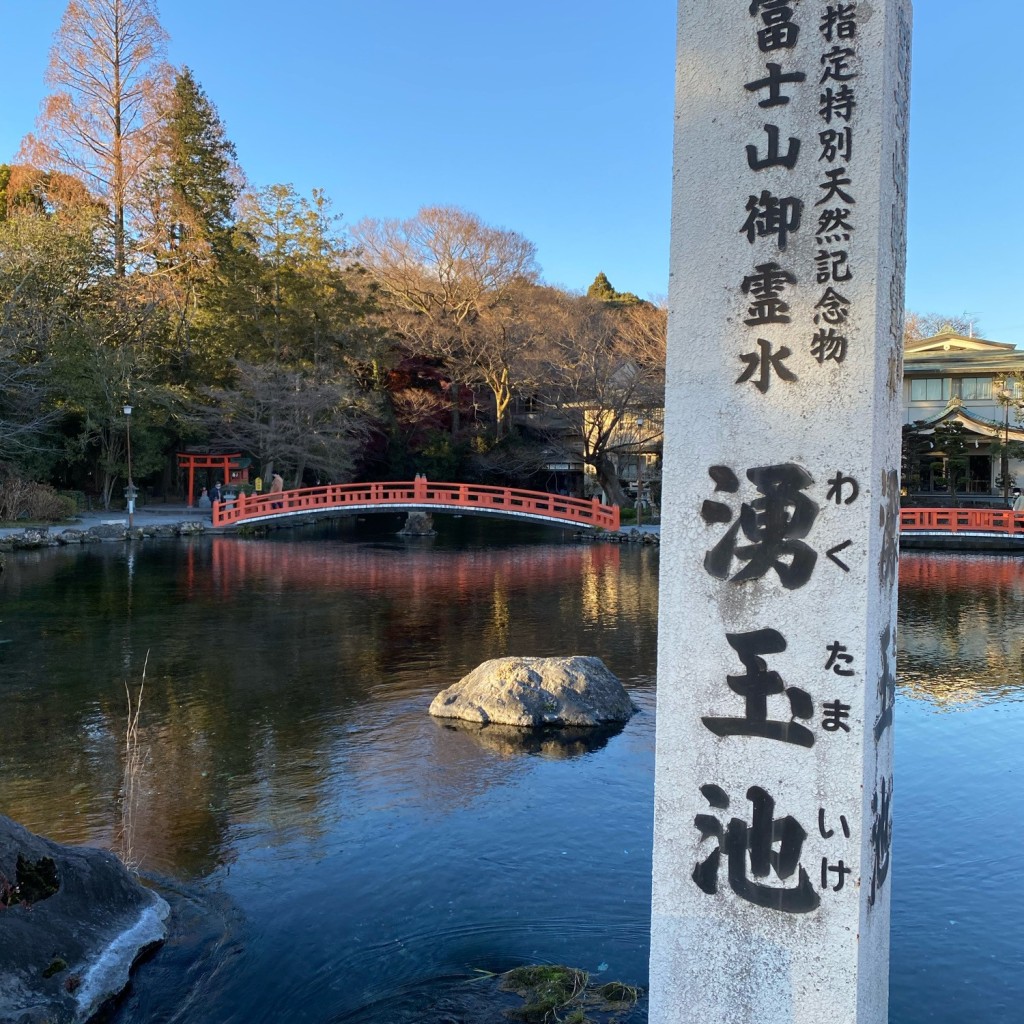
x=776 y=671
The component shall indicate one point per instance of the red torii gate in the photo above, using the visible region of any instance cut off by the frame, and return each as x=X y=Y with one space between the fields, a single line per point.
x=205 y=460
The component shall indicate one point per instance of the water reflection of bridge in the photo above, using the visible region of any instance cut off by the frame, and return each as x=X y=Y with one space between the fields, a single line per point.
x=953 y=575
x=421 y=495
x=228 y=566
x=959 y=642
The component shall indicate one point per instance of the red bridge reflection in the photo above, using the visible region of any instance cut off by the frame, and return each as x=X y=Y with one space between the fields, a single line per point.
x=228 y=565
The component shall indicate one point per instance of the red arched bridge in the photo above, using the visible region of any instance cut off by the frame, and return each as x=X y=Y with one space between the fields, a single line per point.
x=419 y=495
x=989 y=529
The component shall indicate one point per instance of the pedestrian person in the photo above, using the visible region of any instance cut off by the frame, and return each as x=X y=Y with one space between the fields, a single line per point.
x=1018 y=500
x=216 y=491
x=276 y=487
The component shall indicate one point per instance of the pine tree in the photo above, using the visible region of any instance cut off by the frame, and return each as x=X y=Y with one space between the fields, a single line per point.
x=198 y=172
x=190 y=196
x=603 y=291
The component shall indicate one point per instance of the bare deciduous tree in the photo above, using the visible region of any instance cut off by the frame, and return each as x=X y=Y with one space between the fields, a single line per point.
x=297 y=420
x=439 y=273
x=500 y=348
x=606 y=367
x=107 y=68
x=926 y=325
x=417 y=412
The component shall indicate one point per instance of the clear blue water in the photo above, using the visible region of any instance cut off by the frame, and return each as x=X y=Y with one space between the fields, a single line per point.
x=333 y=854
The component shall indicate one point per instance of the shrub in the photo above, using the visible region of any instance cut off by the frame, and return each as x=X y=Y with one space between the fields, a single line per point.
x=25 y=499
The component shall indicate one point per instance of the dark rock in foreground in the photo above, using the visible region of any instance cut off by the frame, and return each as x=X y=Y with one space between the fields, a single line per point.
x=532 y=692
x=72 y=923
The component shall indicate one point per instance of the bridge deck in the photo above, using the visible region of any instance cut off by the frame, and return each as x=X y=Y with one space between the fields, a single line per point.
x=418 y=494
x=962 y=520
x=962 y=528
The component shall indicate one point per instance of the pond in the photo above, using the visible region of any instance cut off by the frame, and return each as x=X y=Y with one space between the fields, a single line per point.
x=333 y=854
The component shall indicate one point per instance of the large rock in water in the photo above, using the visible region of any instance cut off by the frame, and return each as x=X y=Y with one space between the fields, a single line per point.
x=73 y=921
x=535 y=692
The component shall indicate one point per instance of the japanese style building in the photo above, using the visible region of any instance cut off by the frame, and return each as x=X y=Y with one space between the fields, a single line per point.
x=978 y=384
x=947 y=379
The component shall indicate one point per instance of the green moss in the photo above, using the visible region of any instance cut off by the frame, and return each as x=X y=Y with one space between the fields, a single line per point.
x=616 y=992
x=555 y=994
x=546 y=987
x=55 y=967
x=251 y=530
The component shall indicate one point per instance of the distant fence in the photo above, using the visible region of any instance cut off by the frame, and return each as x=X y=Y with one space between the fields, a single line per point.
x=418 y=494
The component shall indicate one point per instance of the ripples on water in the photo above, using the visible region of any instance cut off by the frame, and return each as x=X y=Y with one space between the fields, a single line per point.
x=334 y=854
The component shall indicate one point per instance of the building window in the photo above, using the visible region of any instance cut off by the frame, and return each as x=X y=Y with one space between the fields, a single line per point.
x=930 y=389
x=1012 y=384
x=977 y=389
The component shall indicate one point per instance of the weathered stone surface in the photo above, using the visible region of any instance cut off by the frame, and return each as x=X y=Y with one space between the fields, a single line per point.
x=109 y=531
x=33 y=538
x=71 y=537
x=191 y=527
x=747 y=926
x=418 y=524
x=63 y=955
x=535 y=692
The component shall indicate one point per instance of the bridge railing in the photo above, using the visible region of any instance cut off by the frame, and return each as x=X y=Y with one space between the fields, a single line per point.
x=962 y=520
x=420 y=493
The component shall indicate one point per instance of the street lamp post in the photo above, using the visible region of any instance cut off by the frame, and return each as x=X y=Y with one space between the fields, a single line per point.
x=1005 y=396
x=130 y=491
x=1004 y=459
x=639 y=468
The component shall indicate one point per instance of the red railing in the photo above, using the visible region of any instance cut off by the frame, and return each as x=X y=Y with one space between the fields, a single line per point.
x=962 y=520
x=418 y=493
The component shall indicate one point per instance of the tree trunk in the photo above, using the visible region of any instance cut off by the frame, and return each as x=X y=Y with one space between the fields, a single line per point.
x=109 y=479
x=608 y=478
x=502 y=400
x=454 y=387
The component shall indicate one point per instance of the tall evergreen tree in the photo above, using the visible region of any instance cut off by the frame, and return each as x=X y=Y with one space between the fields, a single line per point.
x=190 y=196
x=304 y=308
x=602 y=291
x=198 y=175
x=5 y=181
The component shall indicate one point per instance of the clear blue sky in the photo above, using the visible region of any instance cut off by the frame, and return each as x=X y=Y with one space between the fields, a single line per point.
x=554 y=118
